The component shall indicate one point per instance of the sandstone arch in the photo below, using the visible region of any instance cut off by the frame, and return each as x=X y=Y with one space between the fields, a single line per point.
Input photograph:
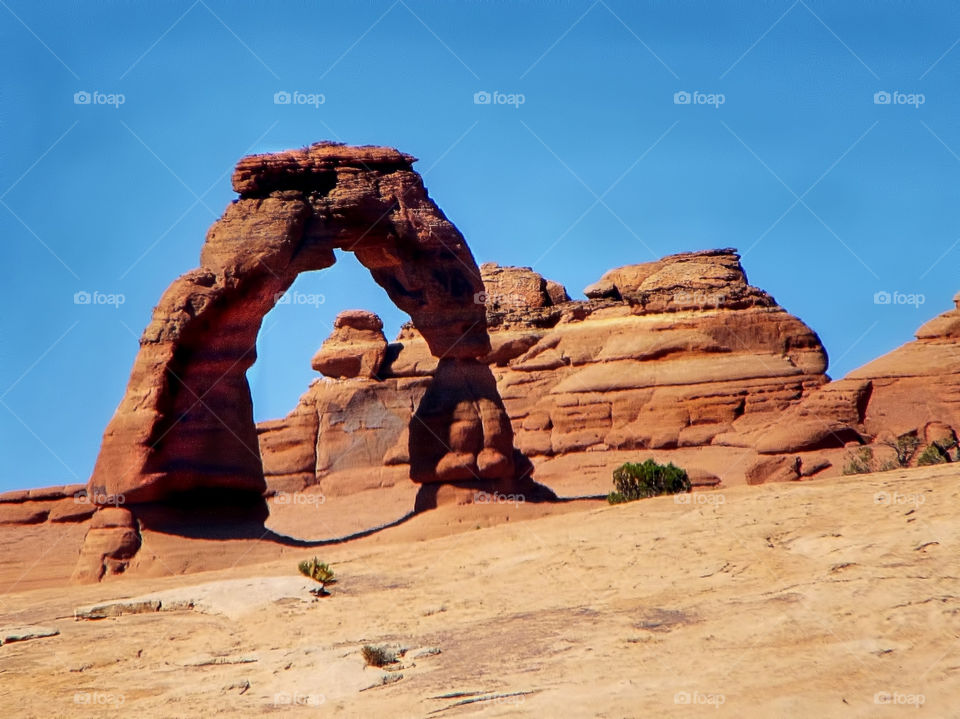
x=186 y=423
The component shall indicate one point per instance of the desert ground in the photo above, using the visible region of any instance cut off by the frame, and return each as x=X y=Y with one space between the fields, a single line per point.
x=828 y=598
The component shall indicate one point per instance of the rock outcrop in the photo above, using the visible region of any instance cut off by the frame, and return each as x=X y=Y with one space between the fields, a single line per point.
x=112 y=539
x=664 y=356
x=677 y=353
x=356 y=348
x=68 y=503
x=913 y=390
x=186 y=421
x=918 y=383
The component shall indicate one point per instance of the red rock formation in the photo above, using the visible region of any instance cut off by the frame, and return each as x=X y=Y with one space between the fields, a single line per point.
x=914 y=389
x=356 y=348
x=112 y=539
x=186 y=422
x=514 y=289
x=917 y=384
x=689 y=349
x=679 y=353
x=48 y=504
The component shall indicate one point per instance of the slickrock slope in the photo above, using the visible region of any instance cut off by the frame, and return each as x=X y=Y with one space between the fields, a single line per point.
x=664 y=356
x=830 y=598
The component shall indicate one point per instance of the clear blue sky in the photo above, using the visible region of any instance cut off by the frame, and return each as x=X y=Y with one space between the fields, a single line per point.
x=117 y=199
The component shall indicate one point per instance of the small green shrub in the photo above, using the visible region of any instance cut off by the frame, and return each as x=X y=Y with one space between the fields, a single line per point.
x=317 y=571
x=906 y=445
x=932 y=454
x=947 y=444
x=378 y=656
x=861 y=462
x=649 y=479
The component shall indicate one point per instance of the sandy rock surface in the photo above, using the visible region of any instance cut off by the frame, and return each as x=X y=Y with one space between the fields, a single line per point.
x=827 y=598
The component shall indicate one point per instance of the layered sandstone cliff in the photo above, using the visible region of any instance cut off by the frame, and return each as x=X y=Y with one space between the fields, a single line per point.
x=665 y=356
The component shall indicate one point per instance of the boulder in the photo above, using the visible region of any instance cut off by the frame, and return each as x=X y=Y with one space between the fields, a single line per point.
x=774 y=469
x=112 y=539
x=9 y=635
x=355 y=348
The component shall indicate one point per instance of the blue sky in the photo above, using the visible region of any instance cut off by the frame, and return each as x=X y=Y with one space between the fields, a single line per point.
x=830 y=196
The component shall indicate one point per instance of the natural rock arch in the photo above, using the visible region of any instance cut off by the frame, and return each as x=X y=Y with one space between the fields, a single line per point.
x=186 y=423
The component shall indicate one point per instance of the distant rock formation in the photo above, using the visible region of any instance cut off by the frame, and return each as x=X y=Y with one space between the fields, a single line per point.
x=914 y=390
x=678 y=353
x=356 y=348
x=49 y=504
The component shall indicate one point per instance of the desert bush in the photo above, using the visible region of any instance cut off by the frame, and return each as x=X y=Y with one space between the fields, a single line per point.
x=905 y=446
x=649 y=479
x=317 y=571
x=932 y=454
x=861 y=462
x=947 y=444
x=378 y=656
